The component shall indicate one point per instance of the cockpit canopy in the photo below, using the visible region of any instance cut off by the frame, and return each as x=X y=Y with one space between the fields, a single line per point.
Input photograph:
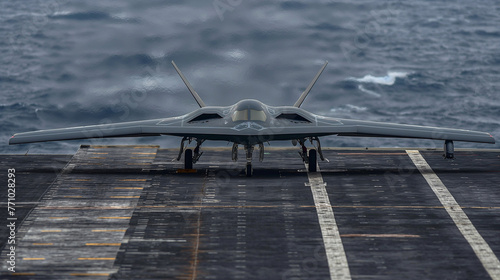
x=249 y=110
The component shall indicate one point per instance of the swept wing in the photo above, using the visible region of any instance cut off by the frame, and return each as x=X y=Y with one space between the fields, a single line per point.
x=349 y=127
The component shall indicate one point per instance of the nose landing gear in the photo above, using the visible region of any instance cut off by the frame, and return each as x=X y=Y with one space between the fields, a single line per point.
x=197 y=154
x=249 y=151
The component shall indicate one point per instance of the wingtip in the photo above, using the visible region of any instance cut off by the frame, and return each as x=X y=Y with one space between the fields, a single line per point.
x=492 y=138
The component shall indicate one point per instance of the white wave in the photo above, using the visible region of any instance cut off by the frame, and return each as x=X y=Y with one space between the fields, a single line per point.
x=349 y=108
x=387 y=80
x=62 y=13
x=356 y=108
x=370 y=92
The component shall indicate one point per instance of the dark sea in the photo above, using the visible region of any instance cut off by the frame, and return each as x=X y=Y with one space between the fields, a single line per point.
x=72 y=63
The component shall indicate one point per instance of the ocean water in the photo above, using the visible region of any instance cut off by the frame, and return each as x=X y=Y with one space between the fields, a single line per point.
x=71 y=63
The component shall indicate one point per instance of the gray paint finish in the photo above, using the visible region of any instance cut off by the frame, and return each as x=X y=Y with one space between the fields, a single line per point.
x=251 y=122
x=252 y=132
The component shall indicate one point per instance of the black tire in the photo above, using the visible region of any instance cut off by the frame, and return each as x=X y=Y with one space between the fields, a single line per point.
x=188 y=159
x=248 y=170
x=312 y=160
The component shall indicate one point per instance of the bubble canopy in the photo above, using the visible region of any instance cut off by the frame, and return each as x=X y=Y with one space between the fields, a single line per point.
x=249 y=110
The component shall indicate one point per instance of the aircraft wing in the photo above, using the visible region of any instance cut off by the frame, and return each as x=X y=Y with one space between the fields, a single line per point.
x=323 y=126
x=125 y=129
x=176 y=126
x=348 y=127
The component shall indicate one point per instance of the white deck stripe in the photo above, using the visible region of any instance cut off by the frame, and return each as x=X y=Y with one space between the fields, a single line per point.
x=476 y=241
x=337 y=260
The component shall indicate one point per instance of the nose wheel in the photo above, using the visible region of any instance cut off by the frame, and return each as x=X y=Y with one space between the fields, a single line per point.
x=188 y=159
x=312 y=160
x=249 y=170
x=249 y=151
x=190 y=156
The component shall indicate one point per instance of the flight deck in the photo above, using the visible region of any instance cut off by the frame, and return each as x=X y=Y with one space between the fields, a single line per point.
x=132 y=212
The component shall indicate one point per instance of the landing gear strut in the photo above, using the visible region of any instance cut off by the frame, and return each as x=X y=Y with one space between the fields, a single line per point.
x=261 y=152
x=318 y=147
x=189 y=156
x=303 y=151
x=249 y=151
x=234 y=154
x=184 y=139
x=197 y=153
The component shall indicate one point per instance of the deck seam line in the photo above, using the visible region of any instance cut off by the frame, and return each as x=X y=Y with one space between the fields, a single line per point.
x=464 y=224
x=334 y=249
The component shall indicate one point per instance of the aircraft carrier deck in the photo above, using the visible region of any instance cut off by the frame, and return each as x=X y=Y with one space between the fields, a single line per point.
x=128 y=212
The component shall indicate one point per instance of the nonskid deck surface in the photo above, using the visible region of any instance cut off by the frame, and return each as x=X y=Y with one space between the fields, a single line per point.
x=124 y=212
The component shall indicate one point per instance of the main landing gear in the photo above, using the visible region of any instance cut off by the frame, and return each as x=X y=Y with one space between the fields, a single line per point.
x=310 y=158
x=190 y=156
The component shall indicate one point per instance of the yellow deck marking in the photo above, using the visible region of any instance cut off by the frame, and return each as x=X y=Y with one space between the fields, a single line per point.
x=125 y=196
x=187 y=170
x=142 y=157
x=33 y=259
x=128 y=188
x=96 y=259
x=115 y=218
x=134 y=180
x=103 y=244
x=86 y=208
x=109 y=230
x=381 y=235
x=89 y=274
x=23 y=273
x=51 y=230
x=42 y=244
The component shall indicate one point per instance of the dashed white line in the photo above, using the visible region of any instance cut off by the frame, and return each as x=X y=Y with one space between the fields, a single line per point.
x=337 y=260
x=476 y=241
